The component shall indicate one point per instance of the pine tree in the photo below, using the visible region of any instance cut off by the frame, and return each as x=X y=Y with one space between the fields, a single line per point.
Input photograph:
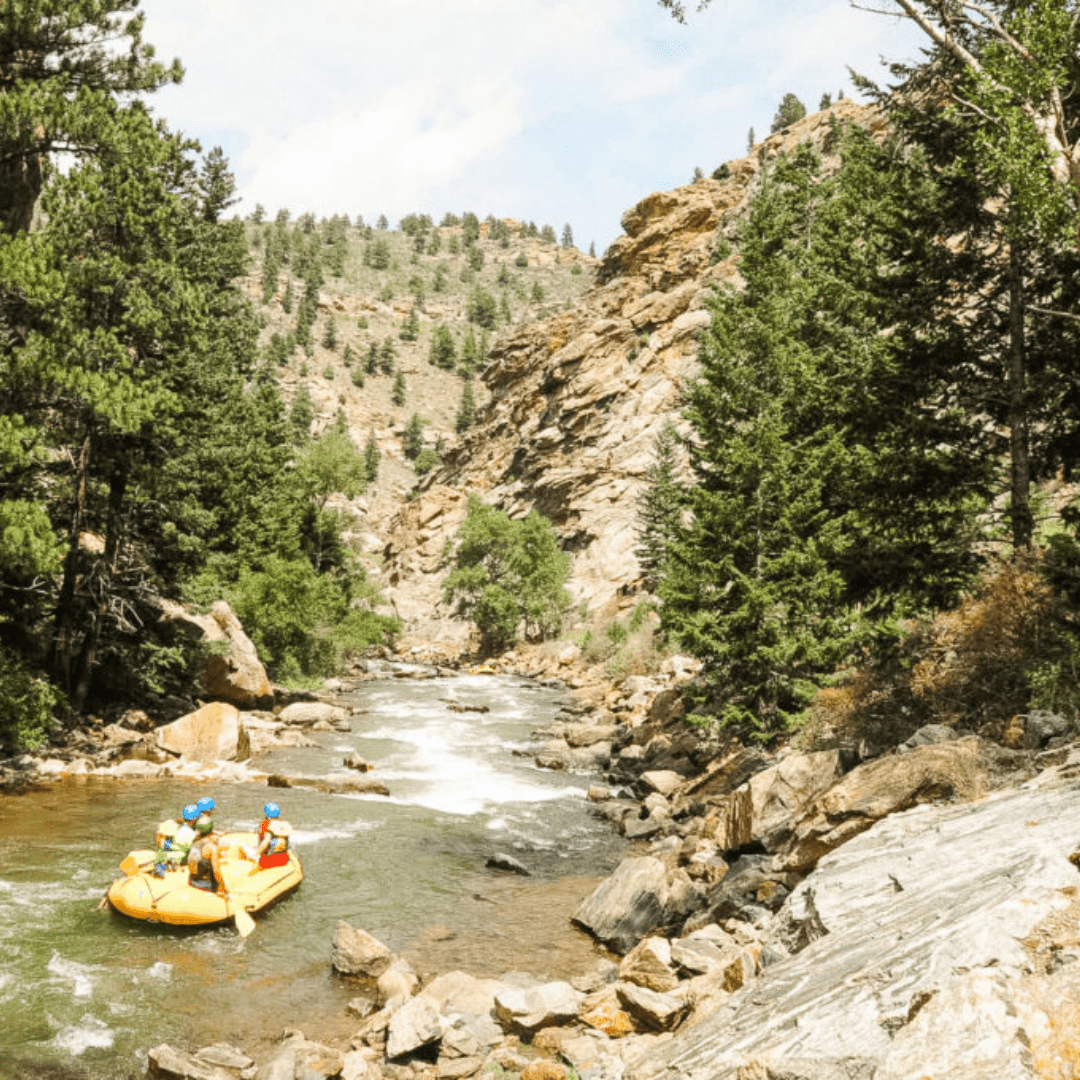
x=750 y=140
x=372 y=455
x=659 y=507
x=68 y=68
x=567 y=236
x=410 y=329
x=466 y=414
x=397 y=395
x=330 y=340
x=789 y=111
x=413 y=438
x=442 y=353
x=828 y=479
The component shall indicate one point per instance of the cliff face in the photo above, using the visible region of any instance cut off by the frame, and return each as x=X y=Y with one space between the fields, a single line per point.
x=576 y=401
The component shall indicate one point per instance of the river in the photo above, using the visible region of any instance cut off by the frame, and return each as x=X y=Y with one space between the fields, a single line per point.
x=84 y=993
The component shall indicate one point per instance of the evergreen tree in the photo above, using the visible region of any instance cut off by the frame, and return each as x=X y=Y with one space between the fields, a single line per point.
x=387 y=356
x=592 y=249
x=750 y=140
x=443 y=353
x=371 y=364
x=382 y=223
x=371 y=458
x=67 y=69
x=659 y=507
x=410 y=329
x=833 y=474
x=547 y=234
x=466 y=414
x=789 y=111
x=567 y=236
x=330 y=340
x=302 y=413
x=483 y=308
x=413 y=438
x=397 y=395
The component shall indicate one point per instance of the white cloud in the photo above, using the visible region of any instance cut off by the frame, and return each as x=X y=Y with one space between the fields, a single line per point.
x=535 y=107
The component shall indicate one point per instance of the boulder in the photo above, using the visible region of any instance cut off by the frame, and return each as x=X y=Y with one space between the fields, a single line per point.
x=525 y=1010
x=355 y=761
x=212 y=733
x=306 y=713
x=578 y=735
x=396 y=984
x=650 y=1010
x=224 y=1056
x=298 y=1059
x=640 y=897
x=416 y=1024
x=232 y=670
x=165 y=1063
x=456 y=992
x=501 y=861
x=958 y=770
x=761 y=809
x=663 y=781
x=356 y=952
x=649 y=964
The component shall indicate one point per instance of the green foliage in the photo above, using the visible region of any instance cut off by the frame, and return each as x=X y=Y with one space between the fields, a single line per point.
x=483 y=309
x=522 y=260
x=426 y=460
x=410 y=329
x=466 y=414
x=507 y=574
x=829 y=485
x=397 y=394
x=371 y=459
x=413 y=439
x=27 y=706
x=789 y=111
x=443 y=353
x=659 y=507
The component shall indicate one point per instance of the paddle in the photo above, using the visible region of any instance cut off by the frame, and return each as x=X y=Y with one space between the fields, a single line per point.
x=244 y=922
x=133 y=864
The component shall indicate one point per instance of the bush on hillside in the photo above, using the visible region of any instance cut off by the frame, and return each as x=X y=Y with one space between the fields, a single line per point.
x=507 y=575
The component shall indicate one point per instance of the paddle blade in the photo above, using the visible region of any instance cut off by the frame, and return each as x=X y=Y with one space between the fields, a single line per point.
x=130 y=866
x=244 y=922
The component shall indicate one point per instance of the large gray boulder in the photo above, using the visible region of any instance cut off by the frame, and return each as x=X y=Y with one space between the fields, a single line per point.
x=416 y=1024
x=232 y=670
x=355 y=952
x=298 y=1058
x=923 y=947
x=213 y=733
x=640 y=897
x=525 y=1010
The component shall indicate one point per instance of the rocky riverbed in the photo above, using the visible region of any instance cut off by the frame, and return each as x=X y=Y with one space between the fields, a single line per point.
x=808 y=913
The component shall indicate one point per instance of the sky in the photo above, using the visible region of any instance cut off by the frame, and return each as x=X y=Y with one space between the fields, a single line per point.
x=553 y=111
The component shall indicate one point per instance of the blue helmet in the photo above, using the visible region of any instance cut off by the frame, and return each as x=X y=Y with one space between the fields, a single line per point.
x=271 y=809
x=191 y=812
x=206 y=805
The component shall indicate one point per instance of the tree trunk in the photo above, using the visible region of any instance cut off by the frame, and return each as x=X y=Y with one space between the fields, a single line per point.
x=1019 y=453
x=64 y=618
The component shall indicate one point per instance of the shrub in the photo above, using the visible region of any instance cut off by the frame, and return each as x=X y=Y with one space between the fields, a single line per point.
x=507 y=574
x=27 y=704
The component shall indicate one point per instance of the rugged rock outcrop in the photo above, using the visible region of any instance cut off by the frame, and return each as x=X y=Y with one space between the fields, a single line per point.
x=940 y=942
x=232 y=670
x=578 y=400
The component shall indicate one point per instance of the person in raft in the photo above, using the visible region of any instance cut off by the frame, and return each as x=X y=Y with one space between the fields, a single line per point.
x=168 y=855
x=274 y=835
x=186 y=834
x=203 y=862
x=204 y=825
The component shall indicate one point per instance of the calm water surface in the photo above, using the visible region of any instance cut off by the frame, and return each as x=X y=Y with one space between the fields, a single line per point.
x=85 y=993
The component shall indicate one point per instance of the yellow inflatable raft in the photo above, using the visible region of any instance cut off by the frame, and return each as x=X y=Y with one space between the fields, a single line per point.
x=170 y=899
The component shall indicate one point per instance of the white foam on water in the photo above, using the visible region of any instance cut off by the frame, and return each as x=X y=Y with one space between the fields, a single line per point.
x=333 y=832
x=89 y=1033
x=80 y=975
x=162 y=971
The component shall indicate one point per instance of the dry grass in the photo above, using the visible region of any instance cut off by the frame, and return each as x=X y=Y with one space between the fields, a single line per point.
x=967 y=668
